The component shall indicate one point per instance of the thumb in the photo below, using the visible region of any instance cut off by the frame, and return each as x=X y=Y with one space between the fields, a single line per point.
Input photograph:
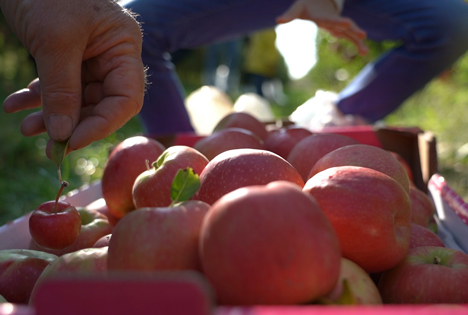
x=60 y=76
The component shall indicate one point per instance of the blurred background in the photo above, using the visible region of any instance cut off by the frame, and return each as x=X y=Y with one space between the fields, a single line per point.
x=28 y=177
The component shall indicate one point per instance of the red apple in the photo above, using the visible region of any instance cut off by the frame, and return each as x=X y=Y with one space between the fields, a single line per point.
x=363 y=290
x=152 y=187
x=366 y=156
x=282 y=141
x=242 y=120
x=421 y=236
x=269 y=244
x=309 y=150
x=19 y=271
x=55 y=224
x=228 y=139
x=422 y=209
x=125 y=163
x=405 y=165
x=370 y=211
x=84 y=261
x=427 y=275
x=158 y=238
x=94 y=225
x=243 y=167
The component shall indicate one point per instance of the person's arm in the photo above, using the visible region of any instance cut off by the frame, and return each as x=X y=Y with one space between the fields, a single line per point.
x=88 y=57
x=327 y=15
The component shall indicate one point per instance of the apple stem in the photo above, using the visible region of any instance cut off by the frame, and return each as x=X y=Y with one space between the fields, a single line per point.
x=63 y=184
x=437 y=260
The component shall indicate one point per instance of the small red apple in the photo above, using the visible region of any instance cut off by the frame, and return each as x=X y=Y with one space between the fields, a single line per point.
x=243 y=167
x=19 y=271
x=268 y=244
x=125 y=163
x=366 y=156
x=421 y=236
x=242 y=120
x=427 y=275
x=309 y=150
x=370 y=212
x=55 y=224
x=152 y=187
x=228 y=139
x=94 y=225
x=282 y=141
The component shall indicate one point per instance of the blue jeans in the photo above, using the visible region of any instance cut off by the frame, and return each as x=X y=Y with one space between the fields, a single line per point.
x=434 y=33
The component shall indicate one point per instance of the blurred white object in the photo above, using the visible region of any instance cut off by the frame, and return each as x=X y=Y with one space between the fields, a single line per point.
x=254 y=105
x=320 y=112
x=206 y=107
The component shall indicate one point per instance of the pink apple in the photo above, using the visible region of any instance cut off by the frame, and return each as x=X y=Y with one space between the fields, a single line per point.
x=309 y=150
x=421 y=236
x=158 y=238
x=366 y=156
x=422 y=209
x=55 y=224
x=85 y=261
x=94 y=225
x=152 y=188
x=243 y=167
x=228 y=139
x=125 y=163
x=282 y=141
x=370 y=212
x=269 y=244
x=19 y=271
x=242 y=120
x=362 y=289
x=427 y=275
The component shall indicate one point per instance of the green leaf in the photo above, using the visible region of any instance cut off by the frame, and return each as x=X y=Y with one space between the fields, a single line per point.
x=59 y=149
x=184 y=186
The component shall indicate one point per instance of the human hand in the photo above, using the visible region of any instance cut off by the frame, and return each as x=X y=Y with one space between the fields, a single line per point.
x=88 y=57
x=326 y=15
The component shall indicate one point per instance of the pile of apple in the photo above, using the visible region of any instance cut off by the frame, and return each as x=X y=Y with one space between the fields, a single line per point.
x=282 y=217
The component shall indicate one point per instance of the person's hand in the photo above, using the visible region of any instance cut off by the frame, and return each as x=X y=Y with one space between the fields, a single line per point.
x=326 y=15
x=88 y=57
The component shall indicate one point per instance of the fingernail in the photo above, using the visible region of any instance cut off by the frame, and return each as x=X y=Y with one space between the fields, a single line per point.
x=59 y=127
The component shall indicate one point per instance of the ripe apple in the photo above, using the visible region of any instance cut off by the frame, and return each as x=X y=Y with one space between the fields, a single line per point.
x=405 y=165
x=103 y=241
x=19 y=271
x=422 y=209
x=366 y=156
x=228 y=139
x=152 y=187
x=242 y=120
x=427 y=275
x=282 y=141
x=55 y=224
x=94 y=225
x=83 y=261
x=243 y=167
x=125 y=163
x=268 y=244
x=370 y=212
x=158 y=238
x=422 y=236
x=363 y=290
x=309 y=150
